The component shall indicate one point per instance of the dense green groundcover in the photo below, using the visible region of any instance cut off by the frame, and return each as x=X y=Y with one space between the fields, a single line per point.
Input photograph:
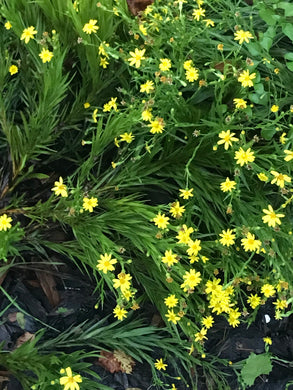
x=162 y=145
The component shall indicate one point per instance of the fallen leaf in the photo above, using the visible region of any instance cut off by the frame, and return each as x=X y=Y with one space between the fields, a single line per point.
x=136 y=6
x=48 y=285
x=108 y=361
x=27 y=336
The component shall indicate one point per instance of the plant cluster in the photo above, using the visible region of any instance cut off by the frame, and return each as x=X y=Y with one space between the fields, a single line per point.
x=162 y=145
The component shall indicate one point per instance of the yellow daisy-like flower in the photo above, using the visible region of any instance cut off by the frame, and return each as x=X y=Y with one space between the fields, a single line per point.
x=188 y=64
x=262 y=176
x=160 y=365
x=207 y=322
x=136 y=57
x=268 y=290
x=240 y=103
x=127 y=137
x=186 y=193
x=89 y=204
x=267 y=340
x=103 y=62
x=170 y=258
x=120 y=313
x=171 y=301
x=242 y=36
x=60 y=188
x=274 y=108
x=244 y=156
x=194 y=247
x=201 y=335
x=28 y=34
x=227 y=139
x=105 y=263
x=157 y=126
x=147 y=87
x=289 y=154
x=46 y=55
x=69 y=381
x=90 y=27
x=227 y=237
x=245 y=78
x=165 y=64
x=280 y=179
x=228 y=185
x=147 y=115
x=13 y=69
x=254 y=301
x=161 y=221
x=5 y=222
x=191 y=74
x=122 y=282
x=172 y=317
x=198 y=13
x=271 y=218
x=176 y=210
x=250 y=243
x=191 y=279
x=183 y=236
x=8 y=25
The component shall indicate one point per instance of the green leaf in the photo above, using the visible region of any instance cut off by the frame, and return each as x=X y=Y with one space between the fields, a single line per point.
x=256 y=365
x=287 y=7
x=259 y=89
x=268 y=133
x=290 y=66
x=289 y=56
x=268 y=15
x=288 y=30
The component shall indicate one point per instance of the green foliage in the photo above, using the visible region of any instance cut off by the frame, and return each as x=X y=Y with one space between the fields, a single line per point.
x=254 y=366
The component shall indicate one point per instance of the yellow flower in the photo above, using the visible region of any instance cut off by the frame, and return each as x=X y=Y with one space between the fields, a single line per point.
x=268 y=290
x=198 y=13
x=111 y=104
x=146 y=115
x=220 y=47
x=136 y=57
x=228 y=237
x=171 y=301
x=207 y=322
x=94 y=115
x=147 y=87
x=157 y=126
x=240 y=103
x=46 y=55
x=27 y=34
x=176 y=210
x=8 y=25
x=143 y=29
x=209 y=22
x=13 y=69
x=5 y=222
x=227 y=139
x=161 y=221
x=246 y=79
x=127 y=137
x=103 y=62
x=228 y=185
x=86 y=105
x=242 y=36
x=280 y=304
x=194 y=247
x=191 y=279
x=250 y=243
x=105 y=263
x=165 y=64
x=89 y=203
x=213 y=286
x=186 y=194
x=90 y=27
x=254 y=301
x=188 y=64
x=160 y=365
x=191 y=74
x=201 y=335
x=70 y=382
x=262 y=176
x=271 y=218
x=172 y=317
x=60 y=188
x=289 y=156
x=280 y=179
x=120 y=313
x=234 y=314
x=274 y=108
x=283 y=138
x=122 y=282
x=184 y=234
x=244 y=157
x=267 y=340
x=169 y=258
